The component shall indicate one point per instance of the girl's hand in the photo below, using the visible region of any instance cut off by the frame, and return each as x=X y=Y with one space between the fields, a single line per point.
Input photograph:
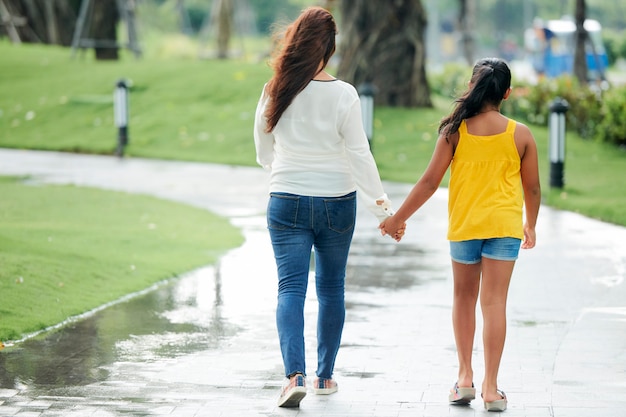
x=392 y=228
x=530 y=237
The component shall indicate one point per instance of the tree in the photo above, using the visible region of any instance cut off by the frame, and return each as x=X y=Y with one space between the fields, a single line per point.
x=383 y=43
x=45 y=21
x=580 y=59
x=467 y=22
x=54 y=21
x=224 y=22
x=104 y=29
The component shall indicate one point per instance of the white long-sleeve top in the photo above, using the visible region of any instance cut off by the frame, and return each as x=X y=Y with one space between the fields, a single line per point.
x=319 y=147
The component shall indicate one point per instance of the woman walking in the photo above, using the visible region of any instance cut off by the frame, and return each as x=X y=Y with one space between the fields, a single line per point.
x=309 y=133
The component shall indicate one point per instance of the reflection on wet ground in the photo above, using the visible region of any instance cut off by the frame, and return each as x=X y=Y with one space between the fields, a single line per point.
x=185 y=315
x=196 y=319
x=158 y=324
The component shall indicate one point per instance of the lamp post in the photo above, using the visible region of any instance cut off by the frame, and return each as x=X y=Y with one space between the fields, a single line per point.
x=558 y=108
x=120 y=113
x=366 y=94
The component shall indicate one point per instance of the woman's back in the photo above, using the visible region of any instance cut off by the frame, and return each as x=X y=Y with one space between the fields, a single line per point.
x=311 y=125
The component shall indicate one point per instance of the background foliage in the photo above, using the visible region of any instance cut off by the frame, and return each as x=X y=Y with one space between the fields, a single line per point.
x=202 y=110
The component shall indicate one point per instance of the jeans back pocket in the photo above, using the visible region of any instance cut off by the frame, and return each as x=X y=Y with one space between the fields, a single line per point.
x=341 y=213
x=282 y=211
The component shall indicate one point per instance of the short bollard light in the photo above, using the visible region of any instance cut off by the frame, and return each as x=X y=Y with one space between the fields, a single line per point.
x=558 y=108
x=366 y=94
x=120 y=113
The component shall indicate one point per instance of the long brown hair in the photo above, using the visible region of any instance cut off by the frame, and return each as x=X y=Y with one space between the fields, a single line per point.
x=307 y=42
x=491 y=78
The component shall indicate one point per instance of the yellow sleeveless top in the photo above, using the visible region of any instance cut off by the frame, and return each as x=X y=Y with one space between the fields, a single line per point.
x=485 y=191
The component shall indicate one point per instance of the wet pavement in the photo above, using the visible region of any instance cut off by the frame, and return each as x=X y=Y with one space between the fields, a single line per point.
x=205 y=344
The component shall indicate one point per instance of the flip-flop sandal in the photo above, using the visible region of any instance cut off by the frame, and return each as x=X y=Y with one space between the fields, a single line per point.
x=462 y=395
x=497 y=405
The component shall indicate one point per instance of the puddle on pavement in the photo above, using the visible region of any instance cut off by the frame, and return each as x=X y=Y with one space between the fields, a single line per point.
x=376 y=265
x=197 y=312
x=139 y=329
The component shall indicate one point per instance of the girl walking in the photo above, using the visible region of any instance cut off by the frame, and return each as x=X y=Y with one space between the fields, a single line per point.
x=494 y=174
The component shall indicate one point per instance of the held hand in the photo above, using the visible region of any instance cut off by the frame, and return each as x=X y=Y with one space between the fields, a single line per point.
x=391 y=228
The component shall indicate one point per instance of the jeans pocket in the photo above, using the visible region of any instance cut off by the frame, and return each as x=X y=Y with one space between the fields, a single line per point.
x=282 y=211
x=341 y=213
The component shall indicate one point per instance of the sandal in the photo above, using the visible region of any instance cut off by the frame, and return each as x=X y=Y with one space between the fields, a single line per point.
x=462 y=395
x=497 y=405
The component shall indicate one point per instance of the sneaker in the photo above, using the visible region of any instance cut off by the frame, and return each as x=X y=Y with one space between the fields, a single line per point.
x=323 y=386
x=293 y=392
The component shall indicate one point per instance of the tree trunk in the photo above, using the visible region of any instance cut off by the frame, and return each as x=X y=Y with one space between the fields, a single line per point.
x=224 y=19
x=329 y=5
x=467 y=23
x=580 y=56
x=383 y=43
x=36 y=20
x=51 y=22
x=45 y=21
x=104 y=29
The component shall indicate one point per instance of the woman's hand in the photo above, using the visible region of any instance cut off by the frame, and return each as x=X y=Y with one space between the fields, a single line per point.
x=392 y=227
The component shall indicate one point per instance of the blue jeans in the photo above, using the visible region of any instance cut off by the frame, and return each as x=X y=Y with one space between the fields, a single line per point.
x=298 y=224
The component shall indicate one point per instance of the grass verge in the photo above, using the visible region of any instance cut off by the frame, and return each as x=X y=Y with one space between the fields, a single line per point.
x=65 y=250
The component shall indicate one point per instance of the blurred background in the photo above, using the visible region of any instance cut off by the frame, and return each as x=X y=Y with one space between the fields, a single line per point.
x=455 y=30
x=193 y=71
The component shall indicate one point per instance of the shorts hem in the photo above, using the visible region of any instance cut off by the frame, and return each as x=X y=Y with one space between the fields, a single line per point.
x=500 y=258
x=464 y=262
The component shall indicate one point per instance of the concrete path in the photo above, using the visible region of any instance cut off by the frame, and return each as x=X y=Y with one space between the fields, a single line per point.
x=206 y=344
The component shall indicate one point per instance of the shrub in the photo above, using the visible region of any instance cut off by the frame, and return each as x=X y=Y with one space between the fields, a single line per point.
x=612 y=125
x=593 y=113
x=532 y=104
x=451 y=81
x=612 y=44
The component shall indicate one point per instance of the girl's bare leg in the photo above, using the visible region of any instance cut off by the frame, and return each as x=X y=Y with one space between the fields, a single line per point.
x=466 y=288
x=493 y=295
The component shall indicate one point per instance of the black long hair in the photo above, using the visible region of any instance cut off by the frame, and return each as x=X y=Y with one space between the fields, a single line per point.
x=491 y=78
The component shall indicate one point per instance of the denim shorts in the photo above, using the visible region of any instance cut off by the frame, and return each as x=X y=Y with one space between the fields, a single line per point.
x=471 y=251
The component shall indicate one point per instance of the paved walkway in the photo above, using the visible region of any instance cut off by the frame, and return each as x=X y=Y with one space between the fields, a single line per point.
x=206 y=345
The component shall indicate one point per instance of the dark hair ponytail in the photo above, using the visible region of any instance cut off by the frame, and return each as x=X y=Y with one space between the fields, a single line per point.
x=491 y=78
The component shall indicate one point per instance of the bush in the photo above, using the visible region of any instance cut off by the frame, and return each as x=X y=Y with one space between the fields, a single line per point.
x=612 y=125
x=593 y=113
x=612 y=44
x=451 y=81
x=532 y=103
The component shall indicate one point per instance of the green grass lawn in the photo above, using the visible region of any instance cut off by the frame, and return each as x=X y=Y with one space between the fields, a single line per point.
x=65 y=250
x=202 y=110
x=179 y=109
